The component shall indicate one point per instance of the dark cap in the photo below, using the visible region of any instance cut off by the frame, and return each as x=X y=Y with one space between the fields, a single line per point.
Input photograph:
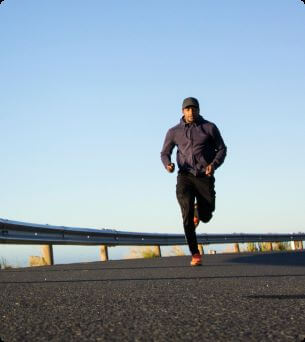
x=190 y=101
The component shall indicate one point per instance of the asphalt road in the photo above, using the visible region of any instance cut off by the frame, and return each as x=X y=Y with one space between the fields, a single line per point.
x=232 y=297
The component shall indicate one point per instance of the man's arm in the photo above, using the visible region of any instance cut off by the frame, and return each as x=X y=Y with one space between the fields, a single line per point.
x=221 y=150
x=167 y=150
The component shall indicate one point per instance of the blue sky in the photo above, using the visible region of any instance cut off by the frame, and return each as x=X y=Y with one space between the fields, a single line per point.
x=89 y=89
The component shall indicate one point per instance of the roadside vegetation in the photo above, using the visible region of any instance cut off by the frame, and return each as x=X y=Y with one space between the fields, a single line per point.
x=176 y=251
x=149 y=252
x=266 y=246
x=142 y=252
x=3 y=264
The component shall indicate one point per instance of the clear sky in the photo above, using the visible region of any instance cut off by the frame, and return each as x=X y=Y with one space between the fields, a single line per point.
x=90 y=88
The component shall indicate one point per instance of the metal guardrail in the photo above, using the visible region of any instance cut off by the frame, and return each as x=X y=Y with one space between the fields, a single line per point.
x=15 y=232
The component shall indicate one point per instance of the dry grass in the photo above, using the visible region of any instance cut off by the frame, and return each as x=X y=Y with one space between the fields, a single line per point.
x=142 y=252
x=265 y=246
x=276 y=246
x=176 y=251
x=3 y=264
x=252 y=247
x=37 y=261
x=148 y=252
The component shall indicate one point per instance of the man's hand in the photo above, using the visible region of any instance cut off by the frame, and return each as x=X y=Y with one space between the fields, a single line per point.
x=209 y=170
x=170 y=167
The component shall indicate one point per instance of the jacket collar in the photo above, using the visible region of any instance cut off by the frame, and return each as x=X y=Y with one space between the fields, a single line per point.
x=199 y=121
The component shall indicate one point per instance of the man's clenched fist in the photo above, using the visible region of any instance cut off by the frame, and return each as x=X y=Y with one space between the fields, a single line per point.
x=209 y=170
x=170 y=167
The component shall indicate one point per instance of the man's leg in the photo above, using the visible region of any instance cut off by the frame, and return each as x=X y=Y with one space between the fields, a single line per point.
x=196 y=216
x=186 y=196
x=205 y=195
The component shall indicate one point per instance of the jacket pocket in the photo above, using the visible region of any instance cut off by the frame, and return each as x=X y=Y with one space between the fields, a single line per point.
x=201 y=163
x=180 y=160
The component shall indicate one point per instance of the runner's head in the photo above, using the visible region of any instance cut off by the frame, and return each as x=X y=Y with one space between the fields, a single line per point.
x=190 y=109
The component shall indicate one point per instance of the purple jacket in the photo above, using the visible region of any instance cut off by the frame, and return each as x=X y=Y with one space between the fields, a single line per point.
x=198 y=145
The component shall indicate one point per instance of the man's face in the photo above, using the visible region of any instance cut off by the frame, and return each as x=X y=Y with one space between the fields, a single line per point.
x=190 y=114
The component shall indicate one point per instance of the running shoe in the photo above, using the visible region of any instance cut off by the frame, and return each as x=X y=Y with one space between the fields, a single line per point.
x=196 y=260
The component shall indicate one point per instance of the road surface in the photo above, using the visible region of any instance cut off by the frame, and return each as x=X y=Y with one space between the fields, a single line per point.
x=232 y=297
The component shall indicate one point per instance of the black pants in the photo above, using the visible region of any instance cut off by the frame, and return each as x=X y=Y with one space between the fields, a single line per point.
x=188 y=189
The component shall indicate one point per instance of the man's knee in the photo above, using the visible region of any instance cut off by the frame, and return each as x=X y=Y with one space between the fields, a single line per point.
x=206 y=217
x=205 y=214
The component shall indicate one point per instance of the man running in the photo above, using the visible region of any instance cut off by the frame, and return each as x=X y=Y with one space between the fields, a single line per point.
x=200 y=151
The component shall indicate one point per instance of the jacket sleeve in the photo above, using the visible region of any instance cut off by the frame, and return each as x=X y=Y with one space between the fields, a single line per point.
x=167 y=148
x=220 y=148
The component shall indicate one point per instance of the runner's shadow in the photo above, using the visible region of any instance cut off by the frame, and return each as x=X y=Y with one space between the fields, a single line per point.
x=291 y=258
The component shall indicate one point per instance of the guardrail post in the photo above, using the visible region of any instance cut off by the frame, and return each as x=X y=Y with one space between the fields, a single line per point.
x=104 y=252
x=47 y=254
x=236 y=248
x=296 y=245
x=200 y=248
x=157 y=251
